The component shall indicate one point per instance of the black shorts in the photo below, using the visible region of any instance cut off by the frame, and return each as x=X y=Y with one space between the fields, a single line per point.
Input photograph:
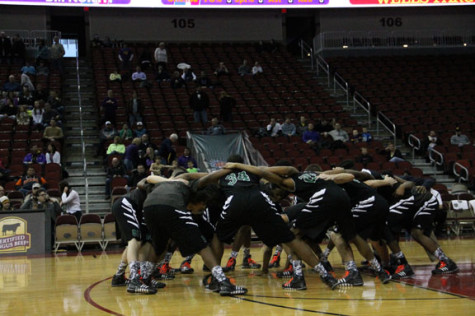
x=326 y=208
x=413 y=212
x=165 y=222
x=370 y=217
x=206 y=228
x=253 y=208
x=130 y=220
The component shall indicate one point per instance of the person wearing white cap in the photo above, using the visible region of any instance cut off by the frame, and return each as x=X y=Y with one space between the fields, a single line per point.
x=140 y=130
x=107 y=134
x=5 y=204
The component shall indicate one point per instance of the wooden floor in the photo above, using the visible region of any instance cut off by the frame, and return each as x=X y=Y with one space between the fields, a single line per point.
x=80 y=285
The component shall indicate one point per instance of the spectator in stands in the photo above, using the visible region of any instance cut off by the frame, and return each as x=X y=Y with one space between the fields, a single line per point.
x=288 y=128
x=11 y=85
x=338 y=134
x=459 y=139
x=115 y=170
x=324 y=126
x=5 y=48
x=25 y=183
x=31 y=200
x=429 y=142
x=28 y=69
x=145 y=58
x=34 y=156
x=366 y=136
x=51 y=114
x=257 y=69
x=244 y=69
x=365 y=157
x=221 y=70
x=37 y=116
x=70 y=200
x=302 y=125
x=115 y=76
x=199 y=102
x=22 y=117
x=52 y=154
x=146 y=143
x=57 y=53
x=177 y=81
x=106 y=134
x=8 y=110
x=356 y=137
x=5 y=204
x=40 y=93
x=188 y=75
x=131 y=155
x=274 y=128
x=4 y=176
x=226 y=105
x=311 y=136
x=139 y=130
x=161 y=55
x=18 y=50
x=42 y=54
x=32 y=193
x=148 y=158
x=2 y=191
x=204 y=81
x=42 y=70
x=140 y=77
x=116 y=147
x=126 y=133
x=27 y=97
x=109 y=107
x=26 y=81
x=215 y=128
x=134 y=109
x=125 y=57
x=55 y=101
x=53 y=132
x=184 y=159
x=191 y=168
x=392 y=153
x=162 y=75
x=42 y=201
x=166 y=150
x=137 y=176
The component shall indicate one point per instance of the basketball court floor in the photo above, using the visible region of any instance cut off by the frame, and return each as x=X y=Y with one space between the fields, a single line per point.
x=79 y=284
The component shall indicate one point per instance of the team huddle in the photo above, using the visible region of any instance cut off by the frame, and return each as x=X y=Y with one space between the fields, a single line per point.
x=197 y=213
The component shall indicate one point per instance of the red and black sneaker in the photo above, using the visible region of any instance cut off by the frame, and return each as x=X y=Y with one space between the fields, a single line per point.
x=402 y=271
x=445 y=267
x=249 y=263
x=296 y=283
x=185 y=268
x=287 y=273
x=275 y=261
x=231 y=265
x=350 y=278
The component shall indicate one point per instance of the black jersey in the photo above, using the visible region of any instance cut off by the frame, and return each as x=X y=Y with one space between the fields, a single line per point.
x=307 y=183
x=137 y=197
x=358 y=191
x=238 y=180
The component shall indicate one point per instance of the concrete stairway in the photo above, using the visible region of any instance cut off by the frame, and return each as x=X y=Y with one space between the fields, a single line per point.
x=86 y=172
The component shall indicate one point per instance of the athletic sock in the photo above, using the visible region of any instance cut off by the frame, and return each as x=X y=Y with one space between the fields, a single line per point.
x=401 y=258
x=289 y=257
x=325 y=254
x=168 y=257
x=121 y=268
x=234 y=254
x=146 y=269
x=375 y=264
x=247 y=252
x=439 y=253
x=351 y=266
x=218 y=273
x=134 y=270
x=278 y=250
x=297 y=265
x=189 y=258
x=321 y=270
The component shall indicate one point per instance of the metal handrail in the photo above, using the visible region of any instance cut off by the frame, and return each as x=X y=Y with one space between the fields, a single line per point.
x=412 y=140
x=324 y=66
x=359 y=100
x=462 y=167
x=307 y=51
x=439 y=154
x=339 y=81
x=379 y=120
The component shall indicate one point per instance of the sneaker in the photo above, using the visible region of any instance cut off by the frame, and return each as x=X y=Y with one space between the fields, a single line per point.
x=135 y=286
x=296 y=283
x=287 y=273
x=445 y=267
x=118 y=280
x=230 y=265
x=326 y=264
x=185 y=268
x=150 y=281
x=402 y=271
x=210 y=283
x=165 y=272
x=329 y=280
x=226 y=288
x=275 y=261
x=384 y=276
x=350 y=278
x=249 y=263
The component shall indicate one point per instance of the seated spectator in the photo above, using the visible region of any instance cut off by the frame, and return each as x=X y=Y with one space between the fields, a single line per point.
x=40 y=93
x=184 y=159
x=392 y=153
x=8 y=109
x=70 y=201
x=116 y=169
x=53 y=132
x=244 y=69
x=356 y=137
x=191 y=168
x=226 y=105
x=5 y=204
x=257 y=69
x=146 y=143
x=365 y=157
x=148 y=158
x=162 y=75
x=366 y=136
x=324 y=126
x=177 y=81
x=55 y=101
x=137 y=176
x=188 y=75
x=131 y=155
x=32 y=194
x=42 y=201
x=109 y=107
x=106 y=134
x=459 y=139
x=145 y=58
x=25 y=183
x=274 y=128
x=51 y=114
x=204 y=81
x=215 y=128
x=26 y=81
x=156 y=166
x=140 y=77
x=23 y=117
x=288 y=128
x=139 y=130
x=166 y=150
x=28 y=69
x=11 y=85
x=42 y=70
x=339 y=134
x=311 y=136
x=27 y=97
x=115 y=76
x=52 y=154
x=429 y=142
x=34 y=156
x=221 y=70
x=116 y=147
x=134 y=108
x=37 y=116
x=302 y=125
x=126 y=133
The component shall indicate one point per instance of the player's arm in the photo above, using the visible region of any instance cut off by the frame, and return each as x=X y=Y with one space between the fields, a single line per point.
x=191 y=176
x=212 y=177
x=158 y=179
x=283 y=171
x=387 y=181
x=260 y=172
x=403 y=187
x=337 y=178
x=361 y=176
